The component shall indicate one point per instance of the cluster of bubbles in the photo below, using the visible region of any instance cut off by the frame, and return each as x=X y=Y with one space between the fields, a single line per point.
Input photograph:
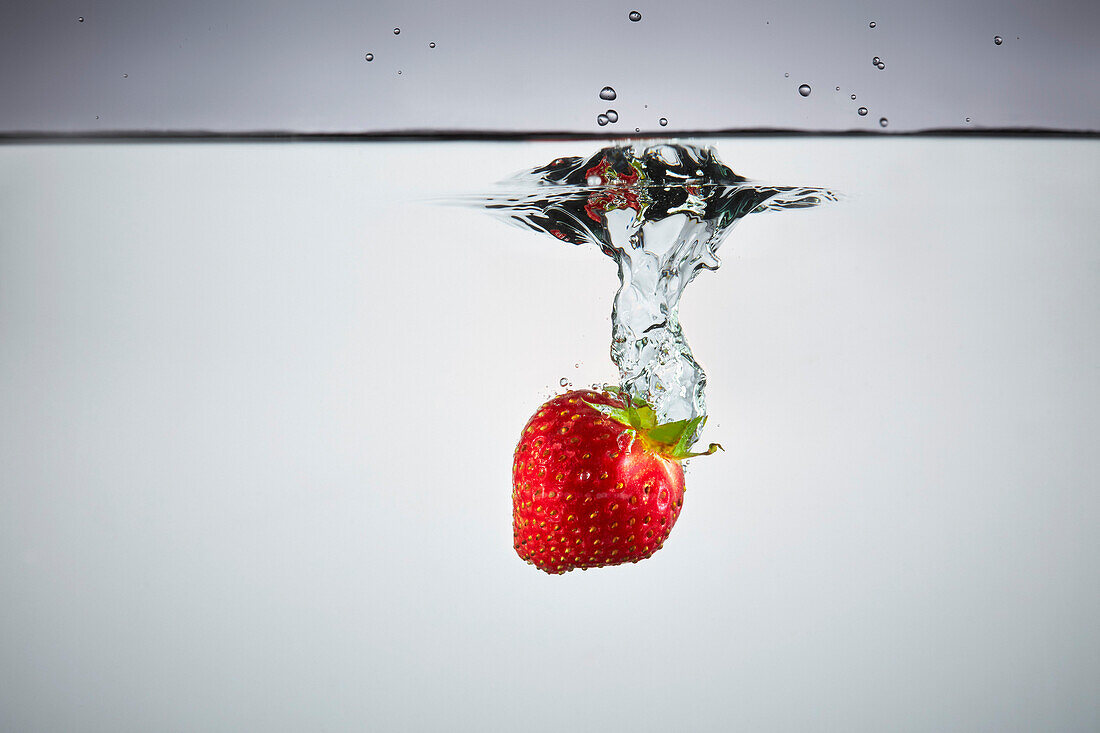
x=608 y=94
x=878 y=63
x=370 y=56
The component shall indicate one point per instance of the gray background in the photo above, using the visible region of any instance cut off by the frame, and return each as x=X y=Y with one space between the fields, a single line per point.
x=505 y=65
x=258 y=406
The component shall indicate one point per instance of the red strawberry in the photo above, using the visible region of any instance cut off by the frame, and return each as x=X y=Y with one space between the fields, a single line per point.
x=596 y=481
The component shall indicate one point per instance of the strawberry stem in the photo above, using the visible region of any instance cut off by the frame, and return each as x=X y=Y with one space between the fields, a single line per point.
x=672 y=439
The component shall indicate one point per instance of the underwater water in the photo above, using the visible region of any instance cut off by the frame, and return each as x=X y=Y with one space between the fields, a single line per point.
x=258 y=403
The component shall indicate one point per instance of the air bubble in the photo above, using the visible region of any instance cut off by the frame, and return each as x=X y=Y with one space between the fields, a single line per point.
x=968 y=119
x=998 y=40
x=637 y=129
x=872 y=24
x=804 y=90
x=431 y=45
x=876 y=61
x=125 y=76
x=80 y=19
x=602 y=120
x=563 y=382
x=399 y=71
x=880 y=66
x=838 y=89
x=594 y=180
x=862 y=111
x=787 y=76
x=612 y=115
x=634 y=16
x=663 y=121
x=397 y=31
x=853 y=96
x=607 y=93
x=883 y=122
x=369 y=57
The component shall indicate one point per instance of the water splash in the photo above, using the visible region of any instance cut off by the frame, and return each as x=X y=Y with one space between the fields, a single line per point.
x=660 y=210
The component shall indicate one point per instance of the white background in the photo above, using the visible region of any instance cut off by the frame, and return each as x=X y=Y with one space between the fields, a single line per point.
x=258 y=406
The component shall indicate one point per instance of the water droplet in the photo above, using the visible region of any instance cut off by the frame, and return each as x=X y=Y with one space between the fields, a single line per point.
x=876 y=61
x=998 y=40
x=602 y=120
x=804 y=90
x=872 y=24
x=397 y=31
x=853 y=96
x=80 y=19
x=883 y=122
x=663 y=121
x=880 y=66
x=634 y=16
x=431 y=45
x=607 y=93
x=369 y=57
x=563 y=382
x=594 y=180
x=612 y=115
x=862 y=111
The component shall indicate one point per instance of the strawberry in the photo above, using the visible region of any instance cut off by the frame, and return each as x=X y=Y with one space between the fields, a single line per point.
x=596 y=481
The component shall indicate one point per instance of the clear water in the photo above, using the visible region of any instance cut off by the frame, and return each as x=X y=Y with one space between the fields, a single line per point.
x=258 y=404
x=660 y=210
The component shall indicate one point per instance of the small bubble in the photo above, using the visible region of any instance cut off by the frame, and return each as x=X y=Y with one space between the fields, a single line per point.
x=862 y=111
x=431 y=45
x=634 y=16
x=612 y=115
x=872 y=24
x=563 y=382
x=787 y=76
x=853 y=96
x=125 y=76
x=998 y=40
x=876 y=61
x=880 y=66
x=594 y=180
x=602 y=120
x=804 y=90
x=80 y=19
x=883 y=122
x=838 y=89
x=607 y=93
x=397 y=31
x=968 y=119
x=637 y=129
x=577 y=365
x=663 y=121
x=399 y=71
x=97 y=117
x=369 y=57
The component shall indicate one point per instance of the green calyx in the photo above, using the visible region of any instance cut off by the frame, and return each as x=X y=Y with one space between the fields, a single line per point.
x=670 y=439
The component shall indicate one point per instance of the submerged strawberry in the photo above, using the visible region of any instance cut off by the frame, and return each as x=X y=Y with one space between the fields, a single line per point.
x=596 y=481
